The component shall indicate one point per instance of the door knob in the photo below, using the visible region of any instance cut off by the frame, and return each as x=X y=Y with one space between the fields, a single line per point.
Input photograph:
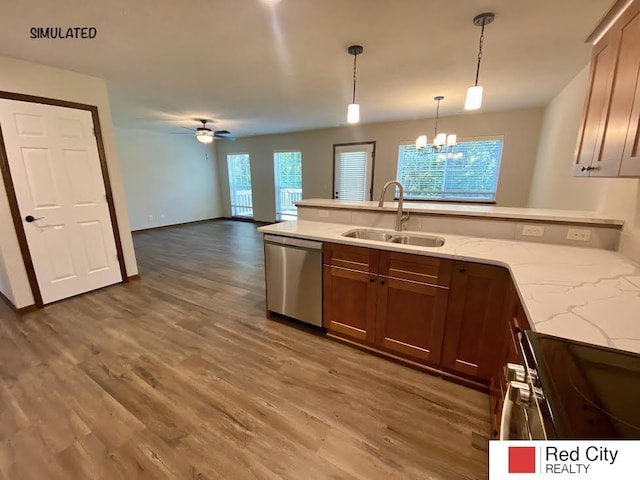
x=31 y=218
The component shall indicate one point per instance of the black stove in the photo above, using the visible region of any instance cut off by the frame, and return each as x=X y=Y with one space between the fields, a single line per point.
x=579 y=390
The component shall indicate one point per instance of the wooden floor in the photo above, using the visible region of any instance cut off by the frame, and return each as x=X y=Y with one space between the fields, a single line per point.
x=180 y=376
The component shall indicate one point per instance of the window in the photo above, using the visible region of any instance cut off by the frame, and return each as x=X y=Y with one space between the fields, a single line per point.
x=468 y=173
x=240 y=185
x=288 y=179
x=352 y=171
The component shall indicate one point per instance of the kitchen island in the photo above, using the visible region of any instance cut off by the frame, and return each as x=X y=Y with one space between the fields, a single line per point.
x=585 y=294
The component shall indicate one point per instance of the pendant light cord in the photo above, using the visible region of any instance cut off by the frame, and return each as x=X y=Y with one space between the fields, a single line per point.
x=435 y=130
x=355 y=57
x=480 y=54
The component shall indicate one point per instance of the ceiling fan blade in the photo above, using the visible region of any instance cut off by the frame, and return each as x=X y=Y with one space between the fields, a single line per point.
x=187 y=128
x=225 y=137
x=181 y=133
x=222 y=132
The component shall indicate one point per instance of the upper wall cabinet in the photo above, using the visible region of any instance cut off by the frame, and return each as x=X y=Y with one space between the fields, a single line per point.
x=608 y=138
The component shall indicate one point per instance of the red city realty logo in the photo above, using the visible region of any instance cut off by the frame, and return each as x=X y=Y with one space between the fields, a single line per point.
x=522 y=459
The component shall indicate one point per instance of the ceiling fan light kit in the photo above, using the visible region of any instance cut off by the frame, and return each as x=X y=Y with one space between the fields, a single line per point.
x=474 y=93
x=353 y=110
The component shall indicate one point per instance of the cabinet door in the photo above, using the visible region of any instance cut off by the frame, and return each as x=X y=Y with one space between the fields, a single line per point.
x=596 y=106
x=629 y=61
x=411 y=318
x=349 y=302
x=476 y=317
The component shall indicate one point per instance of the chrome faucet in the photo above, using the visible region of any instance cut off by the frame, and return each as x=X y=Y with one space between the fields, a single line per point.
x=401 y=216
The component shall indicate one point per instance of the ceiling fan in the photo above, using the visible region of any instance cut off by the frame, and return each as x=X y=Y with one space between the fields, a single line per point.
x=205 y=135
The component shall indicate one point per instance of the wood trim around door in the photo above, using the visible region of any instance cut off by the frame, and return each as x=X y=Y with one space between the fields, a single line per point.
x=13 y=199
x=373 y=164
x=17 y=223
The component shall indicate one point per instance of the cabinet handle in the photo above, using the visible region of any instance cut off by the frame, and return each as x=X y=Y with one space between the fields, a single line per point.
x=462 y=270
x=371 y=280
x=381 y=282
x=588 y=169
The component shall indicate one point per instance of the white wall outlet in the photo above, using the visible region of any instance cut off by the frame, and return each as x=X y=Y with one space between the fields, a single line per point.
x=533 y=230
x=323 y=213
x=150 y=217
x=579 y=234
x=162 y=216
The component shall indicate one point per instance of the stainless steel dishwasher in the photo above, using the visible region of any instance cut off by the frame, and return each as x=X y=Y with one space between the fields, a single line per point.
x=294 y=278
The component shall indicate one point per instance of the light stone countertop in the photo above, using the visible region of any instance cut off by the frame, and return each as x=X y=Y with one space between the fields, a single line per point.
x=586 y=294
x=469 y=210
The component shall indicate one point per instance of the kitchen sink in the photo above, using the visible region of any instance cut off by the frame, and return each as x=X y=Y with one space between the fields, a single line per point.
x=364 y=234
x=395 y=237
x=418 y=240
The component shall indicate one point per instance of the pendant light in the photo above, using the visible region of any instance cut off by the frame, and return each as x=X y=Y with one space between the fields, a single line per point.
x=474 y=94
x=353 y=111
x=440 y=140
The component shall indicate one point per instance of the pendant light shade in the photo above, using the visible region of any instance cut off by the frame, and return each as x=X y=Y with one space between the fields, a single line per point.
x=474 y=93
x=353 y=110
x=353 y=113
x=474 y=98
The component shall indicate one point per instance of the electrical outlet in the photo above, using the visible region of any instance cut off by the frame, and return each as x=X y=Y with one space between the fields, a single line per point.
x=162 y=216
x=533 y=230
x=150 y=217
x=579 y=234
x=323 y=213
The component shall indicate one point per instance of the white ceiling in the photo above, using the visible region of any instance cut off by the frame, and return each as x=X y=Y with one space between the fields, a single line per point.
x=266 y=66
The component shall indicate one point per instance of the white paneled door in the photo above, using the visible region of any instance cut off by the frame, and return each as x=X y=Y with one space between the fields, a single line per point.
x=55 y=168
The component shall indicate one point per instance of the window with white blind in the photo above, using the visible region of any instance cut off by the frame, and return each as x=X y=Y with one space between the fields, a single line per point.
x=288 y=182
x=468 y=173
x=240 y=185
x=353 y=171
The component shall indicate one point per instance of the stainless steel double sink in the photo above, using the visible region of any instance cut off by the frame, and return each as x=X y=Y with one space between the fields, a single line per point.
x=395 y=237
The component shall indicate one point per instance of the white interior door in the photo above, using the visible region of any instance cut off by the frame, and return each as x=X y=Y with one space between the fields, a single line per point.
x=352 y=172
x=56 y=174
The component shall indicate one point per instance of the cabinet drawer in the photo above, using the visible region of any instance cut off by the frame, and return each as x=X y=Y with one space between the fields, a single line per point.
x=348 y=256
x=418 y=268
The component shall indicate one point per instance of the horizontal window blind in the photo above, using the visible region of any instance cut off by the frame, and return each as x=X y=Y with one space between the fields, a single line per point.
x=353 y=166
x=468 y=173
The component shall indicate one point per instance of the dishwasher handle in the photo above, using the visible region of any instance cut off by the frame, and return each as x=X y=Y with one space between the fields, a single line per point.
x=292 y=242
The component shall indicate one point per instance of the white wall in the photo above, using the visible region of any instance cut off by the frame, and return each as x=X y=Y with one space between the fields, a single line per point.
x=553 y=184
x=168 y=179
x=520 y=128
x=29 y=78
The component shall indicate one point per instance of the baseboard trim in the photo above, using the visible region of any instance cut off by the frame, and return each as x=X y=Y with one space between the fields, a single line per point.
x=133 y=277
x=28 y=308
x=162 y=227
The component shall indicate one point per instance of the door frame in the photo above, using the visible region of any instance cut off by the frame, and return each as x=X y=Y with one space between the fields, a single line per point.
x=373 y=164
x=13 y=199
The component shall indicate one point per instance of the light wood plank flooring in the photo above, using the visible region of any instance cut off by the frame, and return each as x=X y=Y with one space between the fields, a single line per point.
x=180 y=376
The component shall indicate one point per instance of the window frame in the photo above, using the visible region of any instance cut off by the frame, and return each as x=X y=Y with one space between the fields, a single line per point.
x=457 y=200
x=280 y=215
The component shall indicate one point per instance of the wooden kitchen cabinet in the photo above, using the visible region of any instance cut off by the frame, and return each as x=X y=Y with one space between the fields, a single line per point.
x=608 y=139
x=517 y=322
x=394 y=301
x=349 y=302
x=350 y=291
x=475 y=320
x=410 y=318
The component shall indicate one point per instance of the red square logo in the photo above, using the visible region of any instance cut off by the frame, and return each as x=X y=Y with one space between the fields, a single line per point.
x=522 y=459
